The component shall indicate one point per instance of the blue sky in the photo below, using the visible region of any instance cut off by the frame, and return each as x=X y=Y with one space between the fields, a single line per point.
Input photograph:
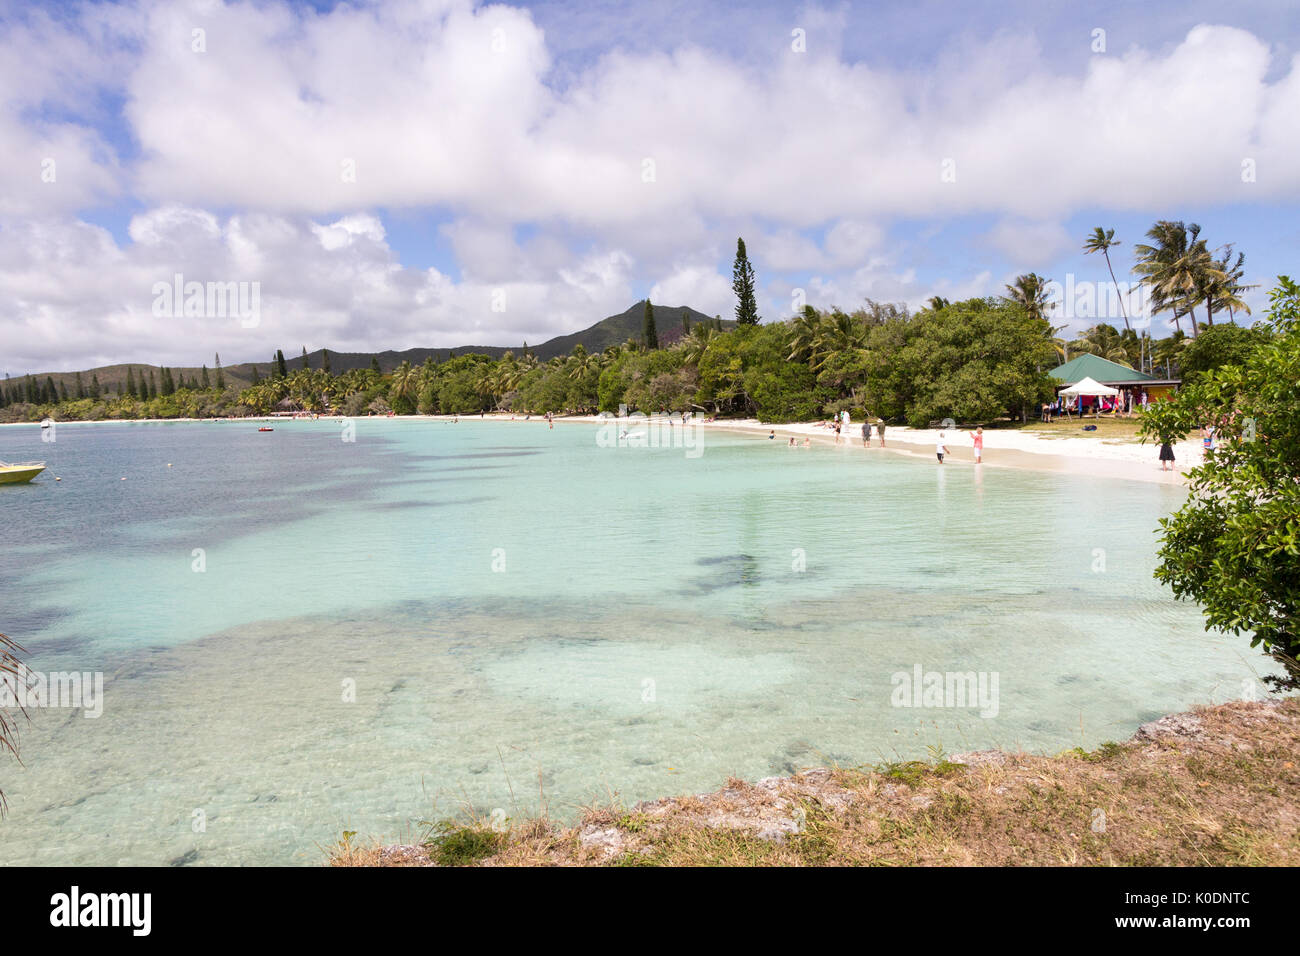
x=437 y=172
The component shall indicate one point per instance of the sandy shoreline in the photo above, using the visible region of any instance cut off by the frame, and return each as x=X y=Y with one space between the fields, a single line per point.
x=1098 y=457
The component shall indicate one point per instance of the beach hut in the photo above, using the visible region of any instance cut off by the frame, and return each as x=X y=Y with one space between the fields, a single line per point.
x=1132 y=383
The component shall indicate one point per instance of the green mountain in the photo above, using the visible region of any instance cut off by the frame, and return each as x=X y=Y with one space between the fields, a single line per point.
x=614 y=330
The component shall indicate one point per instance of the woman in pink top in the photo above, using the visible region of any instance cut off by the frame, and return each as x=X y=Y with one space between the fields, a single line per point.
x=978 y=437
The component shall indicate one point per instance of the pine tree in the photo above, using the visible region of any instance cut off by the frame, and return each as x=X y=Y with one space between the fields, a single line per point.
x=686 y=321
x=94 y=387
x=281 y=369
x=168 y=386
x=63 y=391
x=648 y=332
x=221 y=376
x=81 y=389
x=130 y=382
x=257 y=379
x=325 y=360
x=153 y=385
x=305 y=363
x=742 y=283
x=203 y=377
x=374 y=364
x=51 y=393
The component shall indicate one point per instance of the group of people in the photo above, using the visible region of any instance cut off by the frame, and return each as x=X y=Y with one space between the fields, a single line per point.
x=1125 y=403
x=977 y=439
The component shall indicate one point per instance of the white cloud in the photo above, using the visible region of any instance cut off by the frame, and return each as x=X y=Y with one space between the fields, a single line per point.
x=1033 y=245
x=268 y=154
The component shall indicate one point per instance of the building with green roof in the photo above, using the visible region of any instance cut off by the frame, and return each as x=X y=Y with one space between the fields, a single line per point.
x=1113 y=374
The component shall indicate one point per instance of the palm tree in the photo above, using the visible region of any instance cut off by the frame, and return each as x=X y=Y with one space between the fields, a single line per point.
x=937 y=303
x=839 y=334
x=1030 y=292
x=406 y=382
x=1106 y=341
x=1060 y=344
x=806 y=334
x=1179 y=270
x=697 y=343
x=581 y=362
x=1226 y=292
x=11 y=669
x=1103 y=240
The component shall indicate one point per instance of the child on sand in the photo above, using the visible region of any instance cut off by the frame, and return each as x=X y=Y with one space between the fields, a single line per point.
x=977 y=436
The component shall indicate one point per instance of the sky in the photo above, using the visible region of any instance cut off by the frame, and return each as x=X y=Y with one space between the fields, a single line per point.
x=440 y=173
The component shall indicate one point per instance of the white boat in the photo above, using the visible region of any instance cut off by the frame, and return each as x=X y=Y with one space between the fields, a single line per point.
x=13 y=473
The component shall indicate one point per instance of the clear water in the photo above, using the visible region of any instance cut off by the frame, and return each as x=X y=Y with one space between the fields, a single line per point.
x=531 y=620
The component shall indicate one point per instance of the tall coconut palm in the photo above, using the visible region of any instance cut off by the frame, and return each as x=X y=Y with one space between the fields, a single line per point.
x=1103 y=240
x=1226 y=292
x=937 y=303
x=1030 y=292
x=1178 y=268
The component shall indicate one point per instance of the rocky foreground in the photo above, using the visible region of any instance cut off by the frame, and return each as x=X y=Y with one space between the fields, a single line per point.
x=1215 y=787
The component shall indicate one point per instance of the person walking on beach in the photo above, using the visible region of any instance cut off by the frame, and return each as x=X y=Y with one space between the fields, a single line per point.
x=977 y=436
x=838 y=436
x=1166 y=456
x=940 y=449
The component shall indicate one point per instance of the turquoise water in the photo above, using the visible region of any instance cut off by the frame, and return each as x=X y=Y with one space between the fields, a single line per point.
x=301 y=634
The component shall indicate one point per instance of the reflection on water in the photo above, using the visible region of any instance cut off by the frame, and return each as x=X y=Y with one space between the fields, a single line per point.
x=379 y=639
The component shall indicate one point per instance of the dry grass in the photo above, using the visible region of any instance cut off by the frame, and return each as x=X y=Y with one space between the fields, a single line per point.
x=1108 y=428
x=1218 y=787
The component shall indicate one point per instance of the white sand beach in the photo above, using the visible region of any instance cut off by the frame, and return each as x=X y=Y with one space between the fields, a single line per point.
x=1003 y=448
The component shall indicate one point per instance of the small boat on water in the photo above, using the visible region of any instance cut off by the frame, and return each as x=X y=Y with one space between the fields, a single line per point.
x=13 y=473
x=264 y=428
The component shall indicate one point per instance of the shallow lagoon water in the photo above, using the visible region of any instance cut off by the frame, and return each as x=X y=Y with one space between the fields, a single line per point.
x=488 y=615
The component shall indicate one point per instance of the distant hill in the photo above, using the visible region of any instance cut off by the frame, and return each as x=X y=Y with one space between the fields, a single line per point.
x=617 y=329
x=614 y=330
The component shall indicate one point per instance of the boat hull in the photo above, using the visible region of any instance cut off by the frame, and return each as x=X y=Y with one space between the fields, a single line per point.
x=17 y=474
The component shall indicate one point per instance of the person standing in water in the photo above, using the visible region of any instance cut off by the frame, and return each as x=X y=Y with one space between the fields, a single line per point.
x=880 y=432
x=977 y=436
x=940 y=449
x=1166 y=456
x=866 y=434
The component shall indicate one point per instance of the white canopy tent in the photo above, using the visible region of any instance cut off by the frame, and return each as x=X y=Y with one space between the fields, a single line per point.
x=1087 y=386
